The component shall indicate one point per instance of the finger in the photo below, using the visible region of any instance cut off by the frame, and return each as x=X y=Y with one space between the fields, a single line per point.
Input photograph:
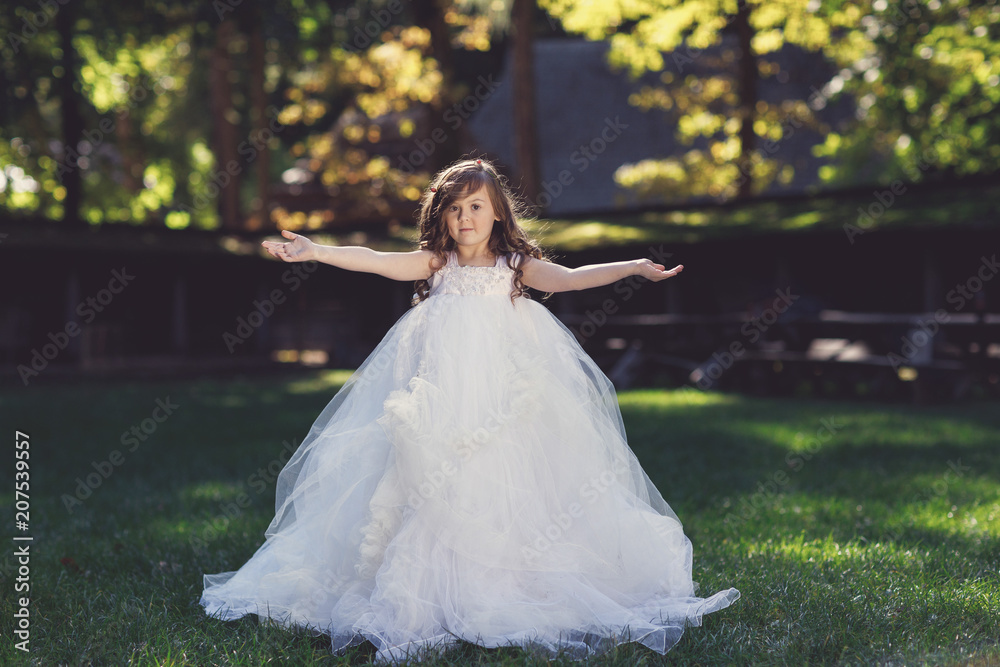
x=288 y=234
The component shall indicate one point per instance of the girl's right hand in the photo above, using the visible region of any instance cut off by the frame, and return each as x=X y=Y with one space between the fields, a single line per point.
x=299 y=249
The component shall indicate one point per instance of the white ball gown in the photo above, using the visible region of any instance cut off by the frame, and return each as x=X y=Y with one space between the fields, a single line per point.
x=471 y=481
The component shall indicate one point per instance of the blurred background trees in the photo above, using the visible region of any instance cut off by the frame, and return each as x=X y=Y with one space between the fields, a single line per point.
x=249 y=115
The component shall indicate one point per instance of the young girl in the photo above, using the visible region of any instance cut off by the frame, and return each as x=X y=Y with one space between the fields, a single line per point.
x=471 y=480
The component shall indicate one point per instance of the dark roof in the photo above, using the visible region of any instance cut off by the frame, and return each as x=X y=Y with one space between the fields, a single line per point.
x=578 y=95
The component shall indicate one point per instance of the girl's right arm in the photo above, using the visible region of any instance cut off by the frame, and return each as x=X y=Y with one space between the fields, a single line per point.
x=393 y=265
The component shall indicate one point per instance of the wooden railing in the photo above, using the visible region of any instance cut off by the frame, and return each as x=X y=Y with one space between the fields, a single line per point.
x=941 y=354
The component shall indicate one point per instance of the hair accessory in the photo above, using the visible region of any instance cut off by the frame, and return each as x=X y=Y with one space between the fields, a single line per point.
x=433 y=189
x=479 y=162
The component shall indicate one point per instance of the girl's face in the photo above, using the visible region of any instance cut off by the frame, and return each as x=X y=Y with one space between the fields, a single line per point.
x=470 y=218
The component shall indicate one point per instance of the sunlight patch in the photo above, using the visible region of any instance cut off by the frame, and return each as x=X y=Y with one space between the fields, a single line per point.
x=324 y=381
x=669 y=398
x=211 y=491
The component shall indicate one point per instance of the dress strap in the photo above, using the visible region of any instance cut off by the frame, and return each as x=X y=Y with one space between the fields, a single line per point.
x=453 y=259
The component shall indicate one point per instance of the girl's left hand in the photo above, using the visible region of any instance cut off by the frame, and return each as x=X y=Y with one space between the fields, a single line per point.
x=656 y=272
x=299 y=249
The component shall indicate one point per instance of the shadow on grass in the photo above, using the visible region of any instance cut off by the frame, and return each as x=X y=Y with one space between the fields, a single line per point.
x=858 y=585
x=700 y=453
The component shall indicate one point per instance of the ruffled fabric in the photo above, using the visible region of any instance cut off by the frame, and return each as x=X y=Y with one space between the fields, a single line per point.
x=471 y=481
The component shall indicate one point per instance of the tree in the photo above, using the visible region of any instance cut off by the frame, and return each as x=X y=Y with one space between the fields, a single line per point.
x=97 y=119
x=525 y=127
x=260 y=213
x=710 y=56
x=72 y=123
x=920 y=73
x=36 y=173
x=224 y=130
x=926 y=80
x=389 y=103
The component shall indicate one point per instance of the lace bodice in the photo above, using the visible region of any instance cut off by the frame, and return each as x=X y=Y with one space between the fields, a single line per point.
x=454 y=279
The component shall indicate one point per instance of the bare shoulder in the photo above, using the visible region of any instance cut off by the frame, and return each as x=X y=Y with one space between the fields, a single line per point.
x=427 y=261
x=396 y=265
x=545 y=275
x=432 y=261
x=529 y=263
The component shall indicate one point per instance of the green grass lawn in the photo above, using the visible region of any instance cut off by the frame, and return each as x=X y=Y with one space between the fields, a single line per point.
x=856 y=533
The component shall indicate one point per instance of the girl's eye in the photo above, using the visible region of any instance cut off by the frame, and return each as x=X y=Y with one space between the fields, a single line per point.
x=476 y=206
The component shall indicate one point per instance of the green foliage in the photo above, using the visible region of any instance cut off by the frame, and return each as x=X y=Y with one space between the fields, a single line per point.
x=380 y=86
x=340 y=78
x=926 y=80
x=692 y=46
x=29 y=114
x=137 y=94
x=386 y=86
x=923 y=75
x=142 y=122
x=922 y=78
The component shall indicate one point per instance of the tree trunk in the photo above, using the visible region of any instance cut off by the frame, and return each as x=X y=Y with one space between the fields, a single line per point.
x=72 y=124
x=260 y=218
x=748 y=98
x=525 y=127
x=133 y=163
x=225 y=131
x=428 y=14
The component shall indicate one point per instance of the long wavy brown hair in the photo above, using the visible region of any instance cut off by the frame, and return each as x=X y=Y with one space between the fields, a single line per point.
x=508 y=238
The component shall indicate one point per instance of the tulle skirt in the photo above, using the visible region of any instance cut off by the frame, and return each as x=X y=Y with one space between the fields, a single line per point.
x=471 y=481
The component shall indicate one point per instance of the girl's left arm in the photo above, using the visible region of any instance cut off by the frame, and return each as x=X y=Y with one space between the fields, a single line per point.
x=551 y=277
